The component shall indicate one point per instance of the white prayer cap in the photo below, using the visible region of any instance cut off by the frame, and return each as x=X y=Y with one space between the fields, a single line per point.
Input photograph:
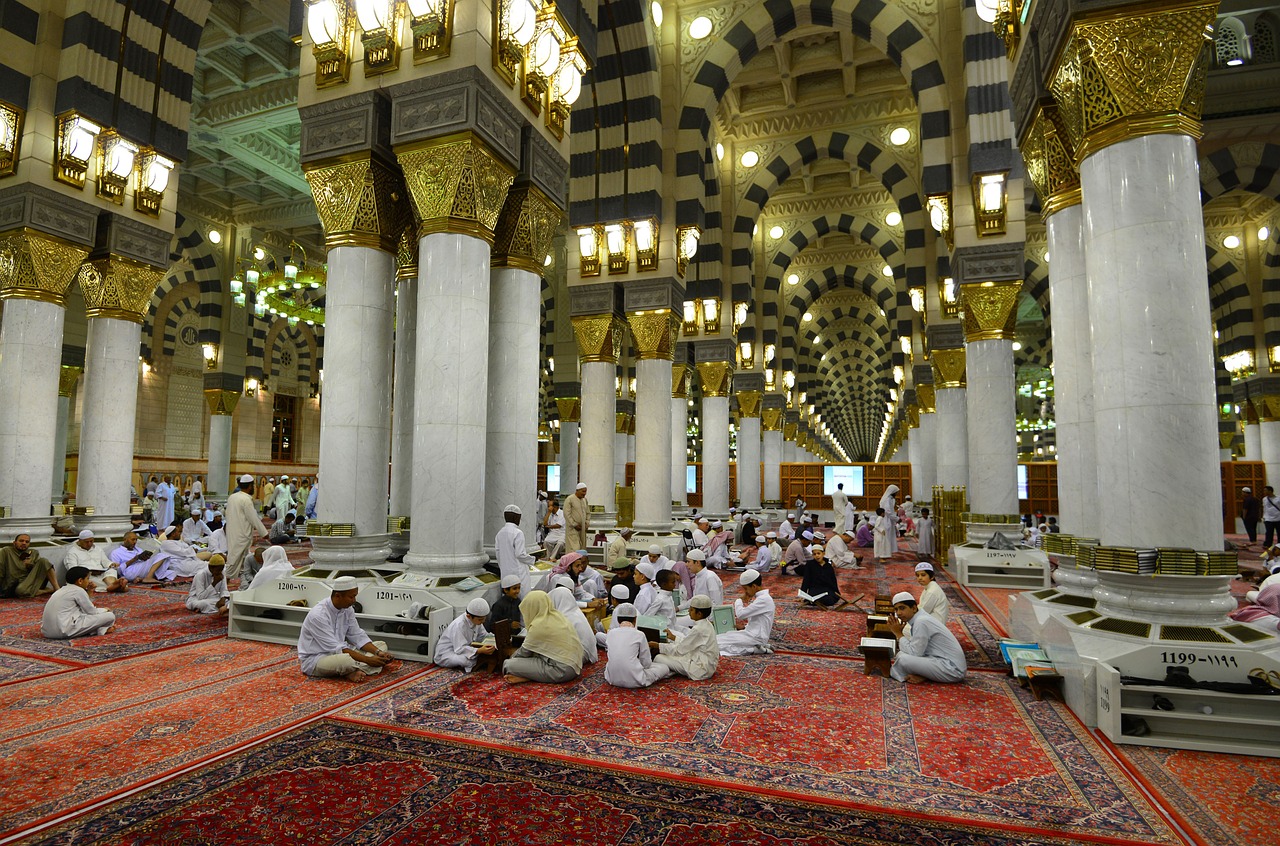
x=924 y=567
x=620 y=592
x=654 y=549
x=344 y=583
x=647 y=569
x=512 y=509
x=807 y=535
x=903 y=596
x=86 y=534
x=1247 y=490
x=700 y=601
x=582 y=486
x=509 y=581
x=703 y=520
x=246 y=479
x=626 y=609
x=284 y=478
x=717 y=525
x=749 y=577
x=695 y=555
x=561 y=581
x=817 y=547
x=478 y=607
x=627 y=531
x=791 y=516
x=760 y=539
x=771 y=535
x=732 y=510
x=848 y=532
x=542 y=493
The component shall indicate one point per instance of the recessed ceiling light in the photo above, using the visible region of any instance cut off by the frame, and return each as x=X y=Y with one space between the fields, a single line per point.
x=700 y=28
x=776 y=232
x=1264 y=233
x=807 y=317
x=1231 y=242
x=1017 y=345
x=215 y=237
x=793 y=279
x=893 y=218
x=900 y=136
x=750 y=158
x=719 y=152
x=655 y=8
x=887 y=270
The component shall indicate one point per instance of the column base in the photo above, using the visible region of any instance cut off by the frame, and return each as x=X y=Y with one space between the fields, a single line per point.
x=399 y=545
x=40 y=528
x=1167 y=600
x=354 y=553
x=104 y=525
x=654 y=529
x=445 y=566
x=983 y=532
x=603 y=520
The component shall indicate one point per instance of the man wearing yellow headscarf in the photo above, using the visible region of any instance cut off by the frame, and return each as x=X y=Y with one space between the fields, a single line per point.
x=552 y=653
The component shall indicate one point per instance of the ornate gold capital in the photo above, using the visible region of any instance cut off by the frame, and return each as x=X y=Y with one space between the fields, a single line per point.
x=622 y=423
x=749 y=403
x=457 y=184
x=221 y=402
x=117 y=287
x=925 y=397
x=655 y=333
x=1050 y=160
x=948 y=369
x=357 y=200
x=681 y=375
x=716 y=377
x=599 y=337
x=789 y=431
x=770 y=418
x=570 y=409
x=67 y=379
x=1268 y=408
x=1225 y=439
x=1128 y=72
x=36 y=266
x=526 y=227
x=990 y=310
x=407 y=251
x=913 y=416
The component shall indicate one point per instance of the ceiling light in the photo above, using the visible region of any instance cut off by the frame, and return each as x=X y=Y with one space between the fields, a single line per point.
x=655 y=9
x=1017 y=345
x=900 y=136
x=793 y=279
x=1231 y=242
x=719 y=151
x=893 y=218
x=215 y=237
x=700 y=28
x=887 y=270
x=1046 y=256
x=259 y=253
x=988 y=9
x=807 y=317
x=1264 y=233
x=750 y=158
x=776 y=232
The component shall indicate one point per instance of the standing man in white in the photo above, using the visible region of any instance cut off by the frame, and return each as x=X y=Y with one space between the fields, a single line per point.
x=243 y=525
x=839 y=502
x=513 y=559
x=577 y=518
x=165 y=495
x=282 y=498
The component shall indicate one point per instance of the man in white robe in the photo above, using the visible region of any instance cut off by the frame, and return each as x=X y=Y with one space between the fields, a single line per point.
x=208 y=593
x=86 y=553
x=889 y=503
x=243 y=526
x=754 y=619
x=166 y=495
x=787 y=531
x=655 y=557
x=883 y=529
x=454 y=649
x=700 y=534
x=513 y=558
x=179 y=559
x=839 y=553
x=577 y=519
x=695 y=652
x=135 y=563
x=194 y=528
x=197 y=495
x=69 y=613
x=929 y=652
x=630 y=662
x=706 y=582
x=553 y=522
x=839 y=502
x=282 y=498
x=618 y=544
x=331 y=642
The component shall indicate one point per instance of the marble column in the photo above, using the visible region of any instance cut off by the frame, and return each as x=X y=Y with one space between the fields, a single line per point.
x=654 y=315
x=599 y=339
x=1154 y=389
x=790 y=429
x=570 y=408
x=924 y=457
x=771 y=420
x=623 y=420
x=1252 y=442
x=404 y=377
x=66 y=385
x=680 y=378
x=990 y=310
x=222 y=405
x=1269 y=436
x=951 y=419
x=749 y=388
x=714 y=360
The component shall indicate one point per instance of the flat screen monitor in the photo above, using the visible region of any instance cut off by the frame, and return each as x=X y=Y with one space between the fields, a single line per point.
x=1023 y=493
x=553 y=478
x=690 y=478
x=850 y=475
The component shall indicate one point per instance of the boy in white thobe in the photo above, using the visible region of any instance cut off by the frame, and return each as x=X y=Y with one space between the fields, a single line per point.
x=695 y=653
x=621 y=596
x=332 y=643
x=754 y=619
x=663 y=604
x=838 y=552
x=763 y=560
x=70 y=613
x=705 y=580
x=454 y=648
x=630 y=663
x=929 y=652
x=208 y=593
x=513 y=559
x=775 y=548
x=924 y=535
x=883 y=526
x=645 y=574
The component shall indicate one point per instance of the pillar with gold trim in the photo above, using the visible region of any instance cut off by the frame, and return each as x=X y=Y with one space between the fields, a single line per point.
x=1050 y=159
x=772 y=410
x=924 y=438
x=990 y=313
x=654 y=309
x=35 y=270
x=598 y=328
x=569 y=407
x=749 y=388
x=67 y=379
x=715 y=362
x=681 y=377
x=624 y=421
x=1130 y=83
x=522 y=241
x=1267 y=403
x=946 y=353
x=117 y=282
x=790 y=432
x=222 y=393
x=357 y=198
x=404 y=376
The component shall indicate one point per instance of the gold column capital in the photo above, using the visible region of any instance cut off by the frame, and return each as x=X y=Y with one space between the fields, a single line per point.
x=622 y=423
x=117 y=287
x=1225 y=439
x=570 y=409
x=990 y=310
x=1268 y=407
x=599 y=337
x=528 y=223
x=67 y=378
x=770 y=418
x=681 y=375
x=407 y=251
x=1134 y=71
x=357 y=200
x=716 y=378
x=1050 y=160
x=925 y=397
x=948 y=369
x=789 y=431
x=36 y=266
x=221 y=402
x=655 y=333
x=749 y=403
x=457 y=184
x=913 y=416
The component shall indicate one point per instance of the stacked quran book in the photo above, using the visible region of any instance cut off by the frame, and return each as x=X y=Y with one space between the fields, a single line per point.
x=1085 y=555
x=1171 y=561
x=1125 y=559
x=1216 y=564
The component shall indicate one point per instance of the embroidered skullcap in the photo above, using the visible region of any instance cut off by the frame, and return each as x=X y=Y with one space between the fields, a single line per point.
x=924 y=567
x=562 y=581
x=509 y=581
x=512 y=509
x=700 y=601
x=246 y=479
x=626 y=609
x=582 y=486
x=703 y=520
x=791 y=516
x=817 y=547
x=749 y=577
x=717 y=525
x=620 y=592
x=807 y=535
x=86 y=534
x=647 y=570
x=903 y=596
x=654 y=549
x=344 y=583
x=1247 y=490
x=771 y=535
x=760 y=539
x=478 y=607
x=695 y=555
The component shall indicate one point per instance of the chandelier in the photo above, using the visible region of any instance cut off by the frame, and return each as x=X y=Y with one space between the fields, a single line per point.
x=295 y=292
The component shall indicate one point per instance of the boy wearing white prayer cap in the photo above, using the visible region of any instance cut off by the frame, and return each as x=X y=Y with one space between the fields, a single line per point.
x=754 y=619
x=705 y=581
x=513 y=558
x=695 y=652
x=454 y=648
x=507 y=606
x=645 y=575
x=929 y=651
x=631 y=664
x=619 y=595
x=332 y=643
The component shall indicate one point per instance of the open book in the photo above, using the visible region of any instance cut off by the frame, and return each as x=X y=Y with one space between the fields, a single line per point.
x=807 y=598
x=879 y=643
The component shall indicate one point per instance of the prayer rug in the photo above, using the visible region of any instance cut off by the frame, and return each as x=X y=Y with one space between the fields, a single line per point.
x=1225 y=800
x=331 y=782
x=71 y=763
x=146 y=621
x=982 y=753
x=17 y=667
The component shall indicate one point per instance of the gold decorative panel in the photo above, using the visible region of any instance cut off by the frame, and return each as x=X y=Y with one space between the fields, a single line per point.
x=1268 y=408
x=67 y=379
x=925 y=397
x=35 y=266
x=407 y=251
x=913 y=416
x=990 y=310
x=948 y=369
x=599 y=337
x=790 y=430
x=357 y=202
x=570 y=409
x=716 y=377
x=749 y=403
x=457 y=184
x=526 y=227
x=622 y=423
x=1050 y=160
x=770 y=418
x=117 y=287
x=221 y=402
x=655 y=333
x=681 y=375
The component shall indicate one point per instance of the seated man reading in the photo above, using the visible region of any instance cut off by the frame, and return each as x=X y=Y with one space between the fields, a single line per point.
x=70 y=613
x=332 y=643
x=24 y=572
x=930 y=652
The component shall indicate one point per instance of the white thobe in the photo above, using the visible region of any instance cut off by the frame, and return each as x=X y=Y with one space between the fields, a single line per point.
x=754 y=638
x=786 y=531
x=694 y=653
x=242 y=525
x=663 y=563
x=883 y=527
x=193 y=530
x=555 y=528
x=645 y=598
x=328 y=631
x=663 y=606
x=590 y=586
x=763 y=560
x=890 y=505
x=924 y=536
x=617 y=548
x=850 y=517
x=700 y=538
x=454 y=648
x=929 y=650
x=218 y=541
x=70 y=613
x=94 y=560
x=513 y=560
x=630 y=664
x=282 y=500
x=837 y=552
x=269 y=573
x=775 y=551
x=707 y=583
x=839 y=502
x=934 y=602
x=204 y=594
x=165 y=495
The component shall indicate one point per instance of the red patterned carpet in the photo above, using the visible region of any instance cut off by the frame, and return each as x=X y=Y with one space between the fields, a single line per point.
x=15 y=667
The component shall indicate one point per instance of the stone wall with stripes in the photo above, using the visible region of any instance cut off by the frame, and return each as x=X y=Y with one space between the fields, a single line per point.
x=986 y=97
x=19 y=30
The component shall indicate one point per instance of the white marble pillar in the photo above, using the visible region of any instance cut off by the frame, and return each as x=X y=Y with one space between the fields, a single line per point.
x=568 y=457
x=631 y=448
x=404 y=376
x=511 y=452
x=772 y=457
x=620 y=458
x=924 y=458
x=679 y=450
x=109 y=411
x=1269 y=448
x=450 y=430
x=1252 y=442
x=952 y=437
x=992 y=435
x=60 y=449
x=749 y=463
x=1154 y=389
x=599 y=425
x=790 y=453
x=653 y=441
x=1073 y=375
x=30 y=362
x=715 y=456
x=218 y=473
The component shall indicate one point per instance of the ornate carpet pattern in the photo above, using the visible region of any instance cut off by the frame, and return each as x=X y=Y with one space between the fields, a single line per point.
x=298 y=788
x=982 y=752
x=15 y=667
